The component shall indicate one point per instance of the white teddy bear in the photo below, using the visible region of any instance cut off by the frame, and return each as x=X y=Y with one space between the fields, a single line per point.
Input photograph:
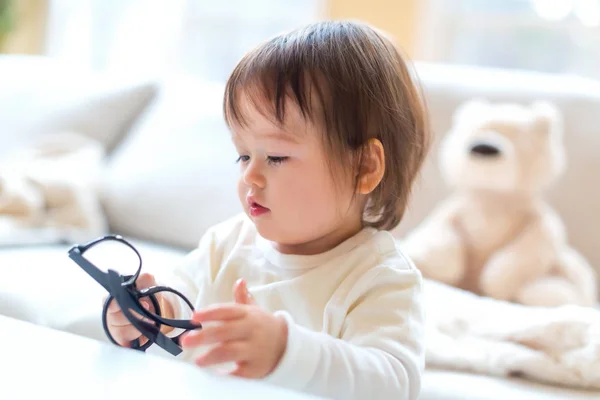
x=495 y=236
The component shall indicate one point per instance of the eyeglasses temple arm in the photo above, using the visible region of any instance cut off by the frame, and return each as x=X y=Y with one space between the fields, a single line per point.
x=91 y=269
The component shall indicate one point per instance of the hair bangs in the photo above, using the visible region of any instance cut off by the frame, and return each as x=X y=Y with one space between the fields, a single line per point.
x=266 y=80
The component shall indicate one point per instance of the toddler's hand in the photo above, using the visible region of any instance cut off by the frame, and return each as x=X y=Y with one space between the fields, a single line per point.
x=119 y=326
x=245 y=334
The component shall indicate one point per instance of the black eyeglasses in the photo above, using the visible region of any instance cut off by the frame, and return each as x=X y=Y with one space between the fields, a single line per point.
x=101 y=259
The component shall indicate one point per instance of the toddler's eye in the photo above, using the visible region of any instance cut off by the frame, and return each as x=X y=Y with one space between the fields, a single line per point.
x=242 y=159
x=276 y=160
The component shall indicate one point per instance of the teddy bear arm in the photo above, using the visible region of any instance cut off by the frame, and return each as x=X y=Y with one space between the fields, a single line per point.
x=527 y=257
x=575 y=282
x=437 y=249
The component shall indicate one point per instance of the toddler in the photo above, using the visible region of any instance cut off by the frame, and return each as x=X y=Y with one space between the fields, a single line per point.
x=307 y=288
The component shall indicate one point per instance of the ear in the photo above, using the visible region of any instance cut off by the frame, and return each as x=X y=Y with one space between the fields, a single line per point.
x=372 y=166
x=547 y=118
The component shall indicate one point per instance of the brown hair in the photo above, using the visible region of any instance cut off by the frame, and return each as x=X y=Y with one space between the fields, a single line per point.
x=363 y=90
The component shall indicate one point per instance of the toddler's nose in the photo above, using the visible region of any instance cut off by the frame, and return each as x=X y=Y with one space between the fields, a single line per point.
x=253 y=176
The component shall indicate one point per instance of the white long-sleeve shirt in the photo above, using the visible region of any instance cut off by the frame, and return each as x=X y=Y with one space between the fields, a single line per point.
x=355 y=314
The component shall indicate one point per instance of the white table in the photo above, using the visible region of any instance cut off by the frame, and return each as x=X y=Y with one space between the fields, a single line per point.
x=39 y=363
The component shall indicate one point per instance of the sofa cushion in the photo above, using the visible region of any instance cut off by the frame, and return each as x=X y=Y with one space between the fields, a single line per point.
x=175 y=174
x=41 y=94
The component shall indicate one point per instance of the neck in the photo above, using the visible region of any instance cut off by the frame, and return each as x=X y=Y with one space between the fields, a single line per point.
x=324 y=243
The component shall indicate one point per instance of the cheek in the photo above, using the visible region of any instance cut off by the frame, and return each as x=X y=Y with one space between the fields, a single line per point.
x=242 y=191
x=312 y=192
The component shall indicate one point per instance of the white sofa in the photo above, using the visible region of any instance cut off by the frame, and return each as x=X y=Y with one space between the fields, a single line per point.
x=170 y=174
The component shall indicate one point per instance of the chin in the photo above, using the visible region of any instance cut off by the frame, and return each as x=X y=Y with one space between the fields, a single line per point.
x=269 y=230
x=264 y=226
x=265 y=232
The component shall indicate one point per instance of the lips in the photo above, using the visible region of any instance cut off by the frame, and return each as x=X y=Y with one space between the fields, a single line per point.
x=255 y=208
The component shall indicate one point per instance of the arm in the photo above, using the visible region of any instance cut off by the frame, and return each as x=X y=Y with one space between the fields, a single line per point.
x=379 y=354
x=436 y=247
x=192 y=277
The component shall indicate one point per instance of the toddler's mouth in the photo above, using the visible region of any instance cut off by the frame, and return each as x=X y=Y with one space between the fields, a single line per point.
x=256 y=209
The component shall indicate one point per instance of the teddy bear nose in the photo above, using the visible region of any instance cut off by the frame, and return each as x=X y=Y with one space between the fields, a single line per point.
x=484 y=149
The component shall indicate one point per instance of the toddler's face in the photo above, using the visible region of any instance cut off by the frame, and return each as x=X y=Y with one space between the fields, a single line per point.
x=286 y=186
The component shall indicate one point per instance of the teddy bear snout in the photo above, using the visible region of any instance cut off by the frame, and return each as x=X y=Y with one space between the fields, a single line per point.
x=485 y=150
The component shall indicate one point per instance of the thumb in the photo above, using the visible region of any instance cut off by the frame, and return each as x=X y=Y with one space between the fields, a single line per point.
x=144 y=281
x=241 y=293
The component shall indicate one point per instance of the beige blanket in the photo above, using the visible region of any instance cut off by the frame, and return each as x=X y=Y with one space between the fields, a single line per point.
x=48 y=191
x=559 y=346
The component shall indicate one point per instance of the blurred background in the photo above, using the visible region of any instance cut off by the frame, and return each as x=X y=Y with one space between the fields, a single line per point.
x=207 y=37
x=158 y=67
x=111 y=122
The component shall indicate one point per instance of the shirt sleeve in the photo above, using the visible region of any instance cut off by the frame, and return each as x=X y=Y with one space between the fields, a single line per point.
x=192 y=277
x=380 y=354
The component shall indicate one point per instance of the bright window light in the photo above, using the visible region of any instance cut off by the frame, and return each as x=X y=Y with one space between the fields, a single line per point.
x=553 y=10
x=588 y=12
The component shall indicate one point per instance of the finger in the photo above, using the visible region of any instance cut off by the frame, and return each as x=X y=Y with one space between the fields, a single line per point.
x=144 y=281
x=119 y=318
x=147 y=303
x=230 y=331
x=113 y=306
x=219 y=312
x=124 y=335
x=241 y=293
x=229 y=351
x=141 y=317
x=245 y=370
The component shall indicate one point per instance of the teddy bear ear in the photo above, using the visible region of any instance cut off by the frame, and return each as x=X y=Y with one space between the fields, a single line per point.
x=470 y=107
x=547 y=117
